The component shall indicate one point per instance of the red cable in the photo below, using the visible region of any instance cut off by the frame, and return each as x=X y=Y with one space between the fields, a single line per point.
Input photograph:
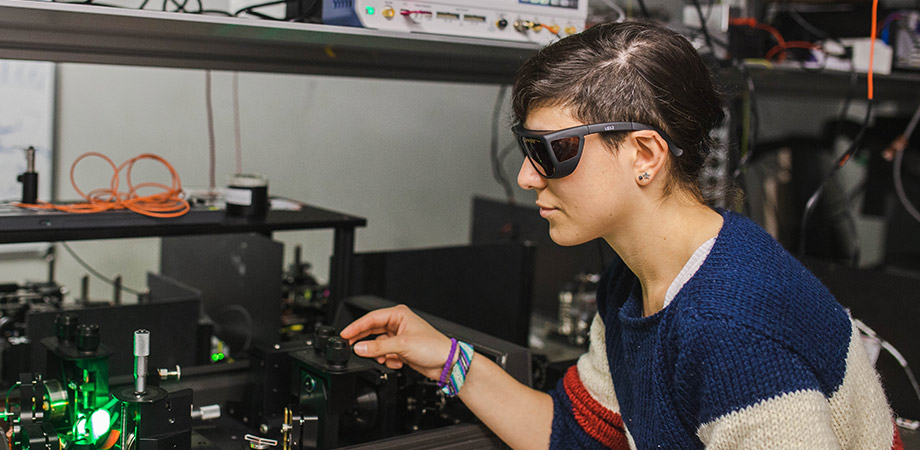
x=168 y=203
x=781 y=49
x=872 y=44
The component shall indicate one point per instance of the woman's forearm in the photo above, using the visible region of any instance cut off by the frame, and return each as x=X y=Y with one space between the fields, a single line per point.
x=522 y=417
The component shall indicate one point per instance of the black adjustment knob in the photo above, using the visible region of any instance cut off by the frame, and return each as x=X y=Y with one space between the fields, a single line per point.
x=337 y=351
x=87 y=338
x=321 y=335
x=65 y=326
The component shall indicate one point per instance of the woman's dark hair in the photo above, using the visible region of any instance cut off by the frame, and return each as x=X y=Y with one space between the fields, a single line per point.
x=631 y=71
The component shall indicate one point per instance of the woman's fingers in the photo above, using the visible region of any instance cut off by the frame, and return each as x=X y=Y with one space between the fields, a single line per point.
x=375 y=322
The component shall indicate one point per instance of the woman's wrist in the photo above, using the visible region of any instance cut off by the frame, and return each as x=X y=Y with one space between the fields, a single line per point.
x=448 y=364
x=459 y=370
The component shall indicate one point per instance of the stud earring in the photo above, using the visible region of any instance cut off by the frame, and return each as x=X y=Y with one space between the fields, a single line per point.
x=644 y=176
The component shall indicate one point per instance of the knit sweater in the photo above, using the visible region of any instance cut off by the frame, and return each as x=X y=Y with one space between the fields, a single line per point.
x=753 y=352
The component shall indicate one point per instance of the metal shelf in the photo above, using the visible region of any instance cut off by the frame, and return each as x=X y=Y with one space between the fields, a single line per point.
x=829 y=84
x=60 y=32
x=37 y=226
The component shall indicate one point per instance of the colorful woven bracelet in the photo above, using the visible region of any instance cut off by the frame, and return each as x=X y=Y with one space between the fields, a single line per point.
x=447 y=365
x=461 y=368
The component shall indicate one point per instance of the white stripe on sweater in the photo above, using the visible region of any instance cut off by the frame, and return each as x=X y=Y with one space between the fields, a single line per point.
x=594 y=372
x=862 y=418
x=797 y=420
x=855 y=417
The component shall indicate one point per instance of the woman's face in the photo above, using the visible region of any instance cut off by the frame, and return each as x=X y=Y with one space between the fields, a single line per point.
x=595 y=198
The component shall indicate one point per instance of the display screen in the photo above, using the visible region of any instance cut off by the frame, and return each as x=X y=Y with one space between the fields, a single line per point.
x=573 y=4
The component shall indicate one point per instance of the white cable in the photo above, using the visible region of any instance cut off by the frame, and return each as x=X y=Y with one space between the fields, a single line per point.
x=913 y=123
x=616 y=8
x=236 y=122
x=893 y=352
x=898 y=164
x=212 y=149
x=899 y=186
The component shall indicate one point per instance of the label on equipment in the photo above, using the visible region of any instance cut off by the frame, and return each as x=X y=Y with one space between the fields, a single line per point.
x=240 y=197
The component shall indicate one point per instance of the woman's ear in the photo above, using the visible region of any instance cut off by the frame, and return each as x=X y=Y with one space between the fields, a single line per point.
x=651 y=155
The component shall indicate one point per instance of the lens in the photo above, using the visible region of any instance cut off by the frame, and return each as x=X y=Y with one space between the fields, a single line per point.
x=537 y=153
x=565 y=148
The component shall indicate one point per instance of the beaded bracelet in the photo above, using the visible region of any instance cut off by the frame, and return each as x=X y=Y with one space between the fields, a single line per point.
x=447 y=365
x=458 y=373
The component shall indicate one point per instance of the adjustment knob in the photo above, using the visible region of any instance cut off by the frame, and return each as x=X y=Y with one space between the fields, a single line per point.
x=321 y=335
x=337 y=351
x=65 y=326
x=87 y=338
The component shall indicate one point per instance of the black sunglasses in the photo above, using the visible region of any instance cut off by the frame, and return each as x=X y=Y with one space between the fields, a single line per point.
x=555 y=154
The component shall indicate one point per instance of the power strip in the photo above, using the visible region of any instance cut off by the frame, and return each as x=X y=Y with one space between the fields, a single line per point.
x=537 y=21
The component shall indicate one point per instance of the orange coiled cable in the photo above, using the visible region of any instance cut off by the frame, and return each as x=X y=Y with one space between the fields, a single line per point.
x=167 y=203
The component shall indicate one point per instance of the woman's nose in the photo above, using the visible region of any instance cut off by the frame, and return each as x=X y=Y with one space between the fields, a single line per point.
x=528 y=177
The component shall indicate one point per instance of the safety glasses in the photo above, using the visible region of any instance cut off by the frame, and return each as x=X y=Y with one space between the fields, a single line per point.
x=555 y=154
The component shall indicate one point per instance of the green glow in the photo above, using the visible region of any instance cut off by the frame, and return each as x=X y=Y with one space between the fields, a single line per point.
x=99 y=423
x=370 y=10
x=81 y=426
x=217 y=357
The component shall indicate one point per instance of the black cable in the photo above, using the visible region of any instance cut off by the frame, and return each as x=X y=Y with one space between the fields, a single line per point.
x=845 y=109
x=498 y=171
x=95 y=272
x=249 y=9
x=215 y=11
x=753 y=121
x=261 y=15
x=813 y=200
x=644 y=9
x=819 y=33
x=180 y=7
x=703 y=27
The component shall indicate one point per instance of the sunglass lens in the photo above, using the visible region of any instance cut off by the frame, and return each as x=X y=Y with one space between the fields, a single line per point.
x=565 y=148
x=536 y=152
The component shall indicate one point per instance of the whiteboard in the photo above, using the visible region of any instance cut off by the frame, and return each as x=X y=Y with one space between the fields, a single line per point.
x=26 y=119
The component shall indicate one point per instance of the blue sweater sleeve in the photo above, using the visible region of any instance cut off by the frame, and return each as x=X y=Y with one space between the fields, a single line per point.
x=730 y=367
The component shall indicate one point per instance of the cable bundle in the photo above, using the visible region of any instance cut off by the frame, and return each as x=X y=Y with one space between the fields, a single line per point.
x=168 y=203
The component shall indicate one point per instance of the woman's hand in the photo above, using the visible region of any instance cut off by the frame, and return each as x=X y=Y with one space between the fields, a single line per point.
x=404 y=338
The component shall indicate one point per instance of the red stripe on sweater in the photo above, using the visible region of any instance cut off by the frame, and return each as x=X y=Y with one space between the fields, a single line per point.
x=599 y=422
x=896 y=443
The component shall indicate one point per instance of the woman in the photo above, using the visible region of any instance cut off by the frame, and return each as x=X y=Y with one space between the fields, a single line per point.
x=708 y=333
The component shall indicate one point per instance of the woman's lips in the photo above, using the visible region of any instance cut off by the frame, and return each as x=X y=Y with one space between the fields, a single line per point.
x=545 y=211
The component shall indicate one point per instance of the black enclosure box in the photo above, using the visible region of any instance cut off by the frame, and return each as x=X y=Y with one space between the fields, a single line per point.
x=484 y=287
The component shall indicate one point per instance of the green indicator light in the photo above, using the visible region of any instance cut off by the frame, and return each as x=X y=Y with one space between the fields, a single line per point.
x=370 y=10
x=215 y=357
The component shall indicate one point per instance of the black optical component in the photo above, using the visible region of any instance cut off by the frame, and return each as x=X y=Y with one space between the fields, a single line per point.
x=555 y=154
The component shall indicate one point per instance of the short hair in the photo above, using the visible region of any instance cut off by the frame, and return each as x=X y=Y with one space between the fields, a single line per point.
x=633 y=71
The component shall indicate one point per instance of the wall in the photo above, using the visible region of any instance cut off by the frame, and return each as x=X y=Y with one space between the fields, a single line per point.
x=406 y=155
